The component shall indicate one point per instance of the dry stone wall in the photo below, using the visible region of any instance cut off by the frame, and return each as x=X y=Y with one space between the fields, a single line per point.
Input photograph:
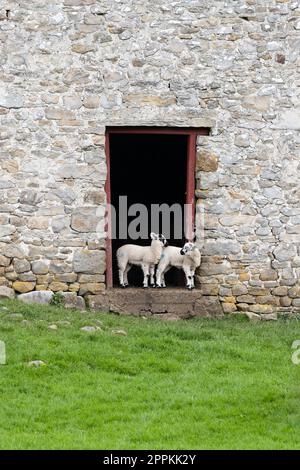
x=69 y=68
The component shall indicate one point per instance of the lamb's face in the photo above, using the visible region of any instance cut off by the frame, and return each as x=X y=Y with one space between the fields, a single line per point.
x=159 y=237
x=189 y=246
x=163 y=239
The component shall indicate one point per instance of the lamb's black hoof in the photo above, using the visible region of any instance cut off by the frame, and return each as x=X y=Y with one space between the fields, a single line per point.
x=152 y=285
x=158 y=287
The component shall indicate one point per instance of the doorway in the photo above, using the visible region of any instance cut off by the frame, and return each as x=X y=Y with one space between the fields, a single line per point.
x=148 y=167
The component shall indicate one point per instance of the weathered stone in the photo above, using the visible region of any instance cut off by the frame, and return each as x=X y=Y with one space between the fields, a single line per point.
x=268 y=299
x=289 y=119
x=85 y=219
x=83 y=48
x=244 y=277
x=11 y=101
x=60 y=223
x=247 y=299
x=258 y=308
x=36 y=297
x=6 y=230
x=239 y=289
x=258 y=103
x=95 y=197
x=86 y=278
x=98 y=302
x=140 y=99
x=21 y=266
x=30 y=197
x=285 y=301
x=206 y=161
x=23 y=286
x=268 y=275
x=39 y=267
x=59 y=114
x=215 y=268
x=91 y=288
x=6 y=293
x=268 y=316
x=66 y=277
x=280 y=291
x=294 y=292
x=12 y=276
x=38 y=223
x=29 y=276
x=229 y=307
x=77 y=76
x=58 y=286
x=90 y=329
x=242 y=140
x=253 y=316
x=72 y=102
x=208 y=306
x=72 y=300
x=4 y=261
x=242 y=307
x=89 y=262
x=225 y=291
x=91 y=102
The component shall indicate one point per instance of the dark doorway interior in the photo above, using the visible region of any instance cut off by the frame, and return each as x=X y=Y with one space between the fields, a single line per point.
x=148 y=169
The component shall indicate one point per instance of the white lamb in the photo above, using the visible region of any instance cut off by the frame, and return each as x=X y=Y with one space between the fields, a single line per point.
x=144 y=256
x=187 y=258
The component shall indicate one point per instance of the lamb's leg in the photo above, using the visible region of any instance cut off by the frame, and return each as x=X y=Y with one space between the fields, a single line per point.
x=159 y=273
x=163 y=283
x=152 y=281
x=122 y=269
x=127 y=269
x=188 y=276
x=145 y=268
x=192 y=273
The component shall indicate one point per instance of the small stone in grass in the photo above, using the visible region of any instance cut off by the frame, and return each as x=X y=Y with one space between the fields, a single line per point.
x=52 y=327
x=253 y=316
x=90 y=329
x=36 y=363
x=118 y=332
x=268 y=316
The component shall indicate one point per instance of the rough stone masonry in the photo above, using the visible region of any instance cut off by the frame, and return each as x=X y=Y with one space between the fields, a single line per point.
x=69 y=68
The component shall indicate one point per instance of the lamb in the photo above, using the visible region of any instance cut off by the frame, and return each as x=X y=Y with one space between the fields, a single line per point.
x=188 y=258
x=145 y=256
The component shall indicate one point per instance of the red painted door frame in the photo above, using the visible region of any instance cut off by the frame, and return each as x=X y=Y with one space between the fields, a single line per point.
x=191 y=134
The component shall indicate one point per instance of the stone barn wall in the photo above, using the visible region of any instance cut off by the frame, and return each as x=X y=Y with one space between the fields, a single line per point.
x=69 y=68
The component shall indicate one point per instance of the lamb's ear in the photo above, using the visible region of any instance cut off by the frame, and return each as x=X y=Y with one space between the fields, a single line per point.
x=153 y=236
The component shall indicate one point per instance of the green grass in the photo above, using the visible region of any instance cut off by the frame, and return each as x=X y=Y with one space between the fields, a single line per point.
x=197 y=384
